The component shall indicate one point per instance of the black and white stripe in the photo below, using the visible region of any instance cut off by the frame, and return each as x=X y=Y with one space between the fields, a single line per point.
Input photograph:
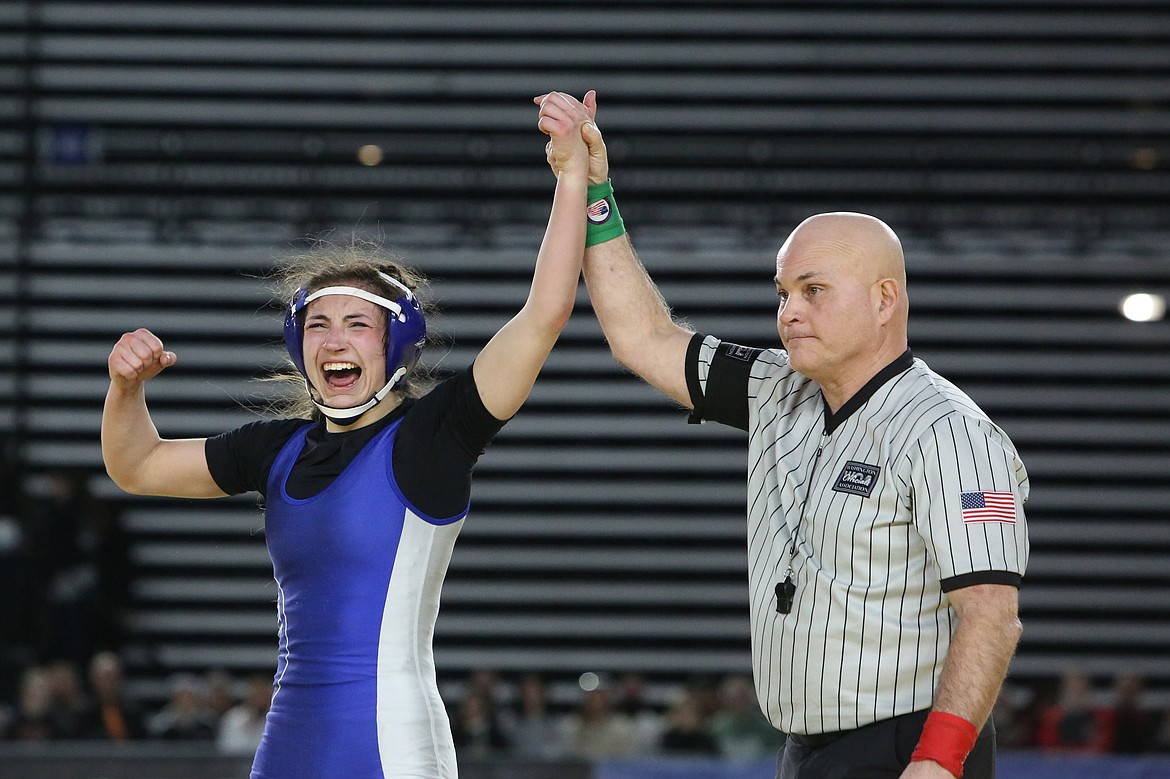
x=871 y=623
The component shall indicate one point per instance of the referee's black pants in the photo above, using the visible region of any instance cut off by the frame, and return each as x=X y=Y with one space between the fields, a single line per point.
x=878 y=751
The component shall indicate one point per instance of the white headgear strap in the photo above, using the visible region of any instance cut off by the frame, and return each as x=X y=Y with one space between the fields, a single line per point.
x=357 y=292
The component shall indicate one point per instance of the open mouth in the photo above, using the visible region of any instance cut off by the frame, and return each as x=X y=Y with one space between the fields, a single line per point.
x=341 y=375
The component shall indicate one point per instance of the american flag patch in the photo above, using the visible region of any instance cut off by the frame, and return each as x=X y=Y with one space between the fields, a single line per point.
x=598 y=212
x=988 y=507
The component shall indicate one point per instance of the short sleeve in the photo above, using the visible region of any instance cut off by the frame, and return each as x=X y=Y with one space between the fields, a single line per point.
x=239 y=460
x=717 y=380
x=968 y=488
x=441 y=438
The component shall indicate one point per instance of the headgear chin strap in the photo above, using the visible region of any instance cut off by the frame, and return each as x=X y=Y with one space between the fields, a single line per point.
x=347 y=416
x=405 y=333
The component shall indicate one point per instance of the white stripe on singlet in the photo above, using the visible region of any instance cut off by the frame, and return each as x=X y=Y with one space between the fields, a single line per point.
x=414 y=733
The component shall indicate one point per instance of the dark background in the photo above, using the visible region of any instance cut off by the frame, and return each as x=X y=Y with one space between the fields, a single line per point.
x=156 y=157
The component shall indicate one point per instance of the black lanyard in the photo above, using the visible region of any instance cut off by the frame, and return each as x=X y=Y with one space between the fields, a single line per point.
x=786 y=590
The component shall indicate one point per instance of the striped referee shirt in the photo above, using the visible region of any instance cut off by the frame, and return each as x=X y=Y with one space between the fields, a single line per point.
x=904 y=494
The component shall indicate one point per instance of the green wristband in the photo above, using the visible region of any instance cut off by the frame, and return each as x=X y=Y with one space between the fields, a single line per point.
x=603 y=222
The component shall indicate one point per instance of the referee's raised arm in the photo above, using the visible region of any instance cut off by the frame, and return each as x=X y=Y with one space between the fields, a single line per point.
x=633 y=315
x=635 y=319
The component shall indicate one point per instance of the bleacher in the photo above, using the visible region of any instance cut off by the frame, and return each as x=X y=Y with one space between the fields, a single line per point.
x=155 y=158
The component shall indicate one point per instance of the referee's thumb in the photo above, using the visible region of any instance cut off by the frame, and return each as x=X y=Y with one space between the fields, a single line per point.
x=590 y=134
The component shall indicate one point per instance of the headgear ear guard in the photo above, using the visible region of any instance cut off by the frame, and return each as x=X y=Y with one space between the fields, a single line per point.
x=406 y=331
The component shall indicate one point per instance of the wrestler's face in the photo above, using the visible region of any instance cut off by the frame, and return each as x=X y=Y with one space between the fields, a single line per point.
x=345 y=349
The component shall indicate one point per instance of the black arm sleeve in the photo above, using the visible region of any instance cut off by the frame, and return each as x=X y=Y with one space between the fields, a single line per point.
x=441 y=438
x=240 y=459
x=726 y=397
x=1009 y=578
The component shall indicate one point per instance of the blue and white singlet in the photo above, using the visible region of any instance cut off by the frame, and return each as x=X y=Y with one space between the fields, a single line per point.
x=358 y=572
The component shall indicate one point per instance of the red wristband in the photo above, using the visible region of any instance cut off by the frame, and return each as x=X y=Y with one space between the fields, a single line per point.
x=946 y=739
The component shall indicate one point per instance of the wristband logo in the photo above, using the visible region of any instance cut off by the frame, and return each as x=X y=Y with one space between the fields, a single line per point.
x=598 y=212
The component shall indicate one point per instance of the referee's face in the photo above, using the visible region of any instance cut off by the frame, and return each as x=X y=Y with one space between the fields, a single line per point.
x=827 y=315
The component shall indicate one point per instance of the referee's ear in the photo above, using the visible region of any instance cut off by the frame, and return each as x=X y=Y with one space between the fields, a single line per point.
x=892 y=300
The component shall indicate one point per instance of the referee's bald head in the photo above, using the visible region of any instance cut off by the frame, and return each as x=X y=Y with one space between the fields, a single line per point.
x=867 y=239
x=869 y=246
x=841 y=278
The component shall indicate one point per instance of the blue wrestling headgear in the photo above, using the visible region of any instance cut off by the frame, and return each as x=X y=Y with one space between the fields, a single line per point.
x=405 y=332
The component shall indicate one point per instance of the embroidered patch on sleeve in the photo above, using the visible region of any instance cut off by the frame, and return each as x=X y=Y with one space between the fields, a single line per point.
x=737 y=352
x=988 y=507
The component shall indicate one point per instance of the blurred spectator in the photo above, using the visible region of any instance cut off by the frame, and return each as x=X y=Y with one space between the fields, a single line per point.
x=533 y=732
x=475 y=727
x=110 y=715
x=476 y=720
x=81 y=555
x=33 y=718
x=646 y=723
x=1074 y=723
x=241 y=727
x=1162 y=738
x=220 y=696
x=185 y=717
x=17 y=582
x=68 y=699
x=686 y=732
x=1135 y=727
x=1015 y=716
x=485 y=682
x=595 y=731
x=740 y=728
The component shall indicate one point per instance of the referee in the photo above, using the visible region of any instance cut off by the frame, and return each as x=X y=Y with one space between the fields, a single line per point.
x=886 y=533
